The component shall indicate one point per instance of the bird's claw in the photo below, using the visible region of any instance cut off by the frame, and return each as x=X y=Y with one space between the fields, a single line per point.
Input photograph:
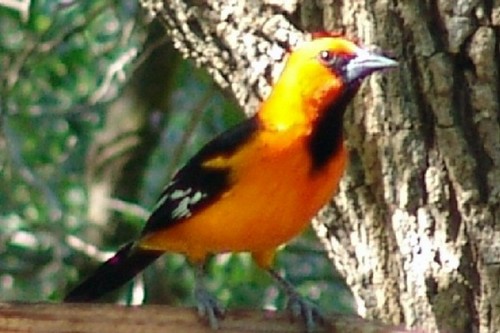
x=299 y=306
x=302 y=308
x=208 y=307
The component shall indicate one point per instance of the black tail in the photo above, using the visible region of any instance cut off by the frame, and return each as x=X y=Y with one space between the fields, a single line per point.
x=122 y=267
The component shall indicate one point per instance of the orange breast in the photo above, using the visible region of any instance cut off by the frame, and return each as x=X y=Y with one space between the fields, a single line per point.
x=273 y=198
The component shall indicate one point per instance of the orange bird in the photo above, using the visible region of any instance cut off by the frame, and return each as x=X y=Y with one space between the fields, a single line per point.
x=257 y=185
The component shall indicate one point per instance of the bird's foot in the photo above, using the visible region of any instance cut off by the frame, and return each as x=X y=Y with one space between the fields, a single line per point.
x=208 y=307
x=299 y=306
x=306 y=310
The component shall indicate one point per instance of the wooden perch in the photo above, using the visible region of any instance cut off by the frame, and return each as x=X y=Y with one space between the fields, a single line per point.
x=103 y=318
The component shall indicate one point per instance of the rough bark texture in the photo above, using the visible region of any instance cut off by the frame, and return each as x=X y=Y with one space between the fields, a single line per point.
x=238 y=42
x=415 y=227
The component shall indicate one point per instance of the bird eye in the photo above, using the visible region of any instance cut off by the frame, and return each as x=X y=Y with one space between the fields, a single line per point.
x=328 y=58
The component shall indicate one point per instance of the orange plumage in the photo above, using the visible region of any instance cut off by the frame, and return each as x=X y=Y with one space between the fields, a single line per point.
x=257 y=185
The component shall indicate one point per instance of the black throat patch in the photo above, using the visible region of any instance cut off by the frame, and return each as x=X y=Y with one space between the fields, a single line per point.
x=327 y=134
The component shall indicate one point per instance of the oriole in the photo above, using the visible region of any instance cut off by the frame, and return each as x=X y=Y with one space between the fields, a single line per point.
x=257 y=185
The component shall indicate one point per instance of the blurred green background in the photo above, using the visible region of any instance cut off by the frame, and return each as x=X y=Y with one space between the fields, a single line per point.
x=96 y=113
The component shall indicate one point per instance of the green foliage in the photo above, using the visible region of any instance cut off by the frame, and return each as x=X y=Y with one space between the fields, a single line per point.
x=61 y=68
x=54 y=85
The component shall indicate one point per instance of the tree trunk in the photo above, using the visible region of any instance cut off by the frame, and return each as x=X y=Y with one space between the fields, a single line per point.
x=415 y=227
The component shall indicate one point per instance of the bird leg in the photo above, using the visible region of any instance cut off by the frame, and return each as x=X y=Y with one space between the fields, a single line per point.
x=206 y=303
x=297 y=304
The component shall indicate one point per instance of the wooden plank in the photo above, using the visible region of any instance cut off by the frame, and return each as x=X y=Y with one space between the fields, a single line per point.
x=103 y=318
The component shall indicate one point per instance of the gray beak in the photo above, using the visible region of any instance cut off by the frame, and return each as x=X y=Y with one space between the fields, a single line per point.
x=366 y=63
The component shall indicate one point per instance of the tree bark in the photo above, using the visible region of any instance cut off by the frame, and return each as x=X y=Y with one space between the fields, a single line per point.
x=415 y=226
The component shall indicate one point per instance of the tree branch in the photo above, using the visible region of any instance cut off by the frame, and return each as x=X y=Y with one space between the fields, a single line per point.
x=242 y=44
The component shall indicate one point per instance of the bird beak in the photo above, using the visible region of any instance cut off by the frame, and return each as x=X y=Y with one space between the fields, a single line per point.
x=366 y=63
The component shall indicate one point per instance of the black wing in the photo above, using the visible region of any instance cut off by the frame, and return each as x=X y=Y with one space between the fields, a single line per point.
x=196 y=186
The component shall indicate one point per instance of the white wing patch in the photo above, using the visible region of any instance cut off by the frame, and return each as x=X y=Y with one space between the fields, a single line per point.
x=172 y=196
x=183 y=198
x=179 y=194
x=186 y=200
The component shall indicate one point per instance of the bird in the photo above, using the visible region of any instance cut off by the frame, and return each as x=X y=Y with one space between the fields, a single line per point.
x=257 y=185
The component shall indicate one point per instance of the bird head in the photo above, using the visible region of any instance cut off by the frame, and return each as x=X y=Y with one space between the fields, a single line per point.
x=316 y=74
